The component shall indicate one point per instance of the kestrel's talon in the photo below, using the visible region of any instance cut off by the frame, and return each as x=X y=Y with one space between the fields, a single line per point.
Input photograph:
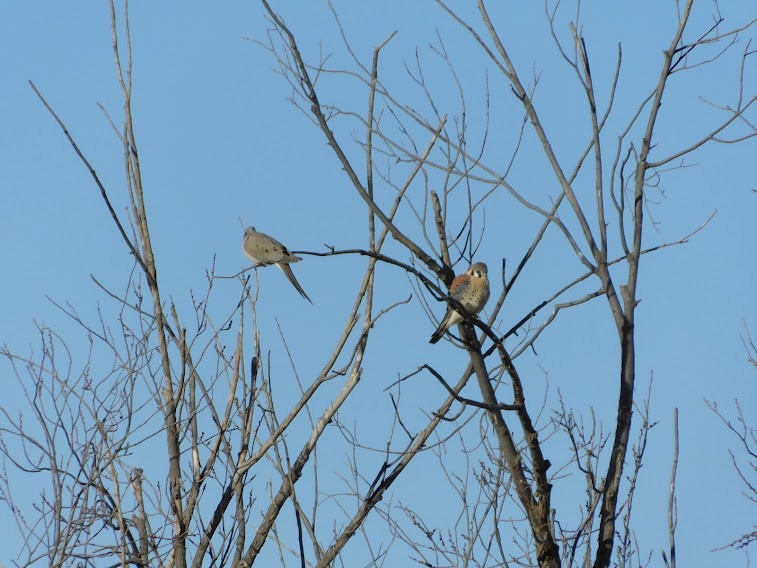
x=471 y=289
x=264 y=250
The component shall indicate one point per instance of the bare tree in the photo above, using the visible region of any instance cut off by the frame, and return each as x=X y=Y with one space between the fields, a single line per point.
x=237 y=465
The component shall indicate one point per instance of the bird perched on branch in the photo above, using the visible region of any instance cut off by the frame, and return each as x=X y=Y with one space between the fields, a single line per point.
x=471 y=289
x=265 y=250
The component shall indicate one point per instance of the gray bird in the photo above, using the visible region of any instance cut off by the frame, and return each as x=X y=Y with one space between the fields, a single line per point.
x=471 y=289
x=265 y=250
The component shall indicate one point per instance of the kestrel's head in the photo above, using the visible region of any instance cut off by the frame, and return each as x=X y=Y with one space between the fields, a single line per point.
x=478 y=269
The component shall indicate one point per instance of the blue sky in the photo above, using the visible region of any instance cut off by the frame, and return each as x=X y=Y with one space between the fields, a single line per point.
x=219 y=143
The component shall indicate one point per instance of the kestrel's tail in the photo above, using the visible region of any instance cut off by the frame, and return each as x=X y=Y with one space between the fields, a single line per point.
x=290 y=276
x=443 y=327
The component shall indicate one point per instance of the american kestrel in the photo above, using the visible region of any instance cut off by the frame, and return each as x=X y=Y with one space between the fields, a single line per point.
x=265 y=250
x=471 y=289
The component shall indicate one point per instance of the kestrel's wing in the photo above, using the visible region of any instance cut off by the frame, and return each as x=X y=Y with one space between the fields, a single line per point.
x=457 y=291
x=290 y=276
x=459 y=287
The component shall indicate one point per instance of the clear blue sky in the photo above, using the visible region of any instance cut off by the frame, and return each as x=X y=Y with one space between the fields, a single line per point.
x=219 y=142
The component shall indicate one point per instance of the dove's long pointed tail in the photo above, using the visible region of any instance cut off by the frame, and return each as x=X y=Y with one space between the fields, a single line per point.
x=290 y=276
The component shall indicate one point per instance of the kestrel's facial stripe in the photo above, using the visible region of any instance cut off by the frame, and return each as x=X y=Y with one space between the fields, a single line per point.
x=478 y=270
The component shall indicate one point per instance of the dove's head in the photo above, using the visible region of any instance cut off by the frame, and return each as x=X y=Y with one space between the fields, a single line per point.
x=249 y=231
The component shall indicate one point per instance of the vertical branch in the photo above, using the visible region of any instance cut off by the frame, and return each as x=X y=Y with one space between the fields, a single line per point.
x=440 y=230
x=141 y=519
x=134 y=177
x=641 y=169
x=538 y=506
x=369 y=176
x=598 y=176
x=672 y=508
x=626 y=319
x=143 y=254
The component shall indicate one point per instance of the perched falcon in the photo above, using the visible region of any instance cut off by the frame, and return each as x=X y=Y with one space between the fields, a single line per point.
x=471 y=289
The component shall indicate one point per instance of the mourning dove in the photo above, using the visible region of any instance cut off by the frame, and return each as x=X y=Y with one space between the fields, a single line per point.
x=471 y=289
x=265 y=250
